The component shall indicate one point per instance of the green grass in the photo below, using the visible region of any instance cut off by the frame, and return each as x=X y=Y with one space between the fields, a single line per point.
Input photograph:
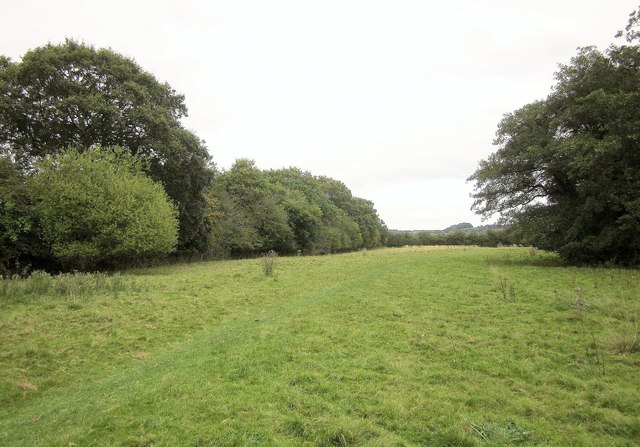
x=397 y=347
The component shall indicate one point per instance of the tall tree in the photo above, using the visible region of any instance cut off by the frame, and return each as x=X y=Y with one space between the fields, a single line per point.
x=74 y=95
x=567 y=169
x=253 y=218
x=326 y=216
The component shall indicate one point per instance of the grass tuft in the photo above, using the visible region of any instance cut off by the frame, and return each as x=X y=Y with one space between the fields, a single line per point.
x=508 y=433
x=627 y=342
x=507 y=289
x=268 y=262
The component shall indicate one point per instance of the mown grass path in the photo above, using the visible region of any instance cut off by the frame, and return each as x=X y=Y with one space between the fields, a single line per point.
x=404 y=347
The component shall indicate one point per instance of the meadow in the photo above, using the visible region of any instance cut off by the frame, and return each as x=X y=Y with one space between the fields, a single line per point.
x=436 y=346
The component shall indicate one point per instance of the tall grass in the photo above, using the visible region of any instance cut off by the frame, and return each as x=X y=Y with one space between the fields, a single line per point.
x=70 y=285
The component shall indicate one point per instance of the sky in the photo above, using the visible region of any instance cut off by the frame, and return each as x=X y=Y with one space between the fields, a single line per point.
x=398 y=99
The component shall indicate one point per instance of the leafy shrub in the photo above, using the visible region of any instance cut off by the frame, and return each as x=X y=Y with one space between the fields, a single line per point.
x=97 y=208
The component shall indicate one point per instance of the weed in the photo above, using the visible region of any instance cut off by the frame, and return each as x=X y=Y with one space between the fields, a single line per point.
x=38 y=283
x=503 y=285
x=269 y=262
x=507 y=289
x=593 y=353
x=580 y=305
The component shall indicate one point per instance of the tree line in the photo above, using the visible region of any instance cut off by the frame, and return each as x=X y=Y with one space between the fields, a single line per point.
x=289 y=211
x=486 y=238
x=97 y=171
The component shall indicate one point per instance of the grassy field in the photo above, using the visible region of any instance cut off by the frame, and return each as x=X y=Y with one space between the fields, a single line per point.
x=394 y=347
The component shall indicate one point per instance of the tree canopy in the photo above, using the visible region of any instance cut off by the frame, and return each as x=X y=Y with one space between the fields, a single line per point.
x=68 y=199
x=567 y=169
x=288 y=210
x=71 y=94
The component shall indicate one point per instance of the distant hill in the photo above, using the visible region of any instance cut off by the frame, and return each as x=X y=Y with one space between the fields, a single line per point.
x=462 y=226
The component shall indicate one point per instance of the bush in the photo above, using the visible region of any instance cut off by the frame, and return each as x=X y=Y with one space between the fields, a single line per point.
x=96 y=208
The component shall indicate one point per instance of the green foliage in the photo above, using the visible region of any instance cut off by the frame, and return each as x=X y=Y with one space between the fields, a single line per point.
x=74 y=95
x=485 y=238
x=334 y=220
x=305 y=219
x=234 y=232
x=463 y=226
x=98 y=208
x=288 y=210
x=252 y=219
x=567 y=169
x=18 y=239
x=307 y=206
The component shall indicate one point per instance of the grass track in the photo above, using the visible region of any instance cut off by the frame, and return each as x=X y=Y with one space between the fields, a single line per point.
x=401 y=347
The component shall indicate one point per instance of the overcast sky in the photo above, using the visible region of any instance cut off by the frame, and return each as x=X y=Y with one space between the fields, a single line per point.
x=397 y=99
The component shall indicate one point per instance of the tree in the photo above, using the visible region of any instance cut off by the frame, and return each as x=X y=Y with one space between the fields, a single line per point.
x=74 y=95
x=373 y=230
x=304 y=201
x=567 y=170
x=253 y=218
x=287 y=210
x=98 y=208
x=325 y=215
x=234 y=232
x=19 y=243
x=305 y=219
